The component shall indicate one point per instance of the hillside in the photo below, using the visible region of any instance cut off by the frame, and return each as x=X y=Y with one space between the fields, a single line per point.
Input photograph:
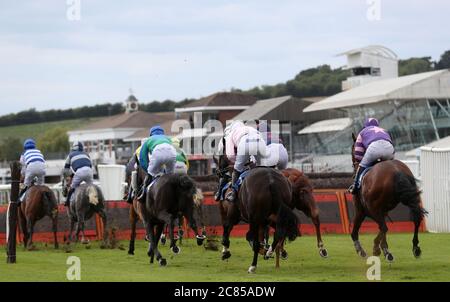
x=34 y=130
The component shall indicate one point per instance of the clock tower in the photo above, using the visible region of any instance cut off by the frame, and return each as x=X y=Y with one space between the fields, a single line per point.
x=132 y=104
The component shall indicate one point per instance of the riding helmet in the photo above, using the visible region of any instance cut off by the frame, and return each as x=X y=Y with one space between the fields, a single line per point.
x=156 y=130
x=77 y=146
x=29 y=144
x=371 y=122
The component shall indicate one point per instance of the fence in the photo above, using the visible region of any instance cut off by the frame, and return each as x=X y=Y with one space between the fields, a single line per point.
x=435 y=175
x=335 y=206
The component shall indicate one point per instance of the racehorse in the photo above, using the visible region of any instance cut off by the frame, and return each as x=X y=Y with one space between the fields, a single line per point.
x=168 y=197
x=88 y=200
x=262 y=201
x=303 y=200
x=40 y=202
x=383 y=187
x=137 y=210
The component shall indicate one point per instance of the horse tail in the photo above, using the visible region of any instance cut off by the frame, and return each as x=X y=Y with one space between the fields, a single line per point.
x=93 y=195
x=407 y=193
x=287 y=222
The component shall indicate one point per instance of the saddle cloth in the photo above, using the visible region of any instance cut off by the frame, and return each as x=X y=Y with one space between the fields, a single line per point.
x=363 y=174
x=237 y=186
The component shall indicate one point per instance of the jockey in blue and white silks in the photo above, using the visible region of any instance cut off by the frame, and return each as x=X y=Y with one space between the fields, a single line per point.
x=79 y=163
x=33 y=165
x=373 y=143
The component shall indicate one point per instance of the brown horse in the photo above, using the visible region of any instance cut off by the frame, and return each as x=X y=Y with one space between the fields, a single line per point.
x=262 y=202
x=303 y=200
x=386 y=185
x=40 y=202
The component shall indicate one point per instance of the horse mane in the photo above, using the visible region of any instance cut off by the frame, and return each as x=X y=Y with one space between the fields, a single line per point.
x=297 y=179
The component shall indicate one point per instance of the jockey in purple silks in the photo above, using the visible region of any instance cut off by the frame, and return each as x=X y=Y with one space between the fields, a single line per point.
x=373 y=143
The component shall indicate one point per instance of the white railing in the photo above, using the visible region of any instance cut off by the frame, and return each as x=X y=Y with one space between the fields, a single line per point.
x=435 y=176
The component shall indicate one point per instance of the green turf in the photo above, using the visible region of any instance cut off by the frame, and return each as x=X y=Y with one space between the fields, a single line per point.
x=197 y=264
x=34 y=130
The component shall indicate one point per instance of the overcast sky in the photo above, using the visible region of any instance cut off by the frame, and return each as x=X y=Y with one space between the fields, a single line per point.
x=178 y=49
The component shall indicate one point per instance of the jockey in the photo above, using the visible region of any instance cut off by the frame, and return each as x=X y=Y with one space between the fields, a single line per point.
x=241 y=143
x=79 y=164
x=33 y=165
x=277 y=155
x=132 y=166
x=372 y=143
x=162 y=156
x=182 y=164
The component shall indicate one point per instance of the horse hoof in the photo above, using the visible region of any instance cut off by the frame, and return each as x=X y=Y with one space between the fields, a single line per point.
x=163 y=240
x=389 y=257
x=162 y=262
x=131 y=253
x=200 y=239
x=226 y=255
x=146 y=238
x=32 y=247
x=417 y=252
x=175 y=249
x=323 y=253
x=252 y=269
x=284 y=255
x=362 y=254
x=85 y=241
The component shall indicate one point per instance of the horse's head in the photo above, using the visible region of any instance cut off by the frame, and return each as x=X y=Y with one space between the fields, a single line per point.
x=302 y=190
x=224 y=166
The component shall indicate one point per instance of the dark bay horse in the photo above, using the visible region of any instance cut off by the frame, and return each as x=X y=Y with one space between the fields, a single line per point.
x=170 y=197
x=262 y=202
x=386 y=185
x=88 y=200
x=40 y=202
x=303 y=200
x=137 y=212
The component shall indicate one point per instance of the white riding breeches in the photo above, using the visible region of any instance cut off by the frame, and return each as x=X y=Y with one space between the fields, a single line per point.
x=35 y=170
x=277 y=156
x=82 y=174
x=249 y=145
x=381 y=149
x=164 y=156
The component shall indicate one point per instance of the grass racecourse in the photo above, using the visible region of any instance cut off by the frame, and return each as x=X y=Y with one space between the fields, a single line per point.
x=198 y=264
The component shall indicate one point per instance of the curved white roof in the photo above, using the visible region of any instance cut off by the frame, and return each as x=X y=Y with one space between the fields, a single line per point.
x=373 y=49
x=333 y=125
x=433 y=84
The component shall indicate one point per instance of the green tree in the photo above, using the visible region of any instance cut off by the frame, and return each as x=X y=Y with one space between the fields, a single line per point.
x=444 y=62
x=415 y=65
x=53 y=140
x=10 y=149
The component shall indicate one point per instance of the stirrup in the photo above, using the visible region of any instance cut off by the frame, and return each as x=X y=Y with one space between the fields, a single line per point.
x=231 y=196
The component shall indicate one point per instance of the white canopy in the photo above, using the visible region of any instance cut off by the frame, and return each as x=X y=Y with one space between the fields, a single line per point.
x=431 y=85
x=332 y=125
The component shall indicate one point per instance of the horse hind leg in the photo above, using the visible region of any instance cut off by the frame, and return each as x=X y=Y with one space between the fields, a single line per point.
x=173 y=242
x=359 y=218
x=384 y=245
x=226 y=241
x=133 y=221
x=55 y=231
x=316 y=221
x=30 y=229
x=105 y=240
x=417 y=217
x=162 y=261
x=256 y=246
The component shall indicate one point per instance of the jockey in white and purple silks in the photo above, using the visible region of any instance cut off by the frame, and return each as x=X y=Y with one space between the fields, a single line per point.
x=373 y=143
x=241 y=144
x=277 y=155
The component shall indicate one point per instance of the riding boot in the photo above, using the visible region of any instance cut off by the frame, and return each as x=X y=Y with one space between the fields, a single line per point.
x=130 y=196
x=22 y=193
x=69 y=196
x=231 y=196
x=355 y=186
x=147 y=181
x=222 y=183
